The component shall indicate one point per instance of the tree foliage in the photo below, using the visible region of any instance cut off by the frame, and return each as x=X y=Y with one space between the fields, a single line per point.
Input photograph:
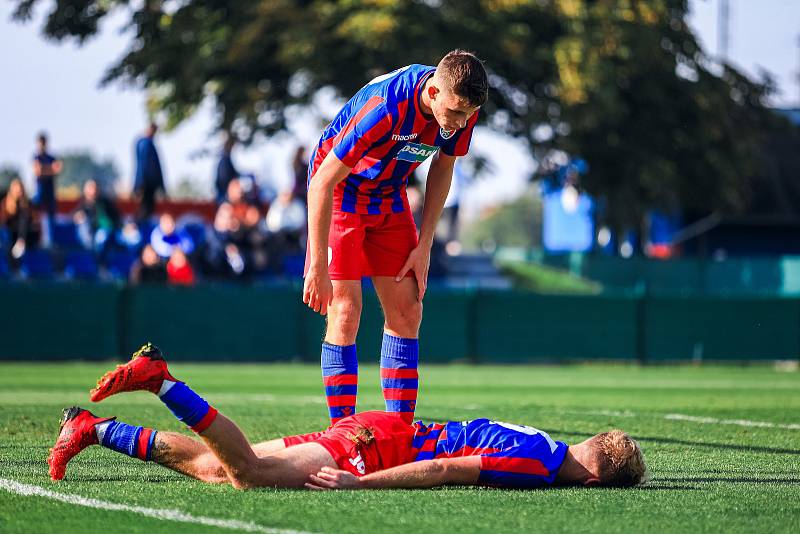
x=81 y=166
x=512 y=224
x=623 y=83
x=7 y=174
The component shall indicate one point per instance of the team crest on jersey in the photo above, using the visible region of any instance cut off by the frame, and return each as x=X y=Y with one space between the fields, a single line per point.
x=446 y=134
x=416 y=152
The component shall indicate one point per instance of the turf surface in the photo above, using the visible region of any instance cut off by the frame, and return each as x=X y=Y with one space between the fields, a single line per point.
x=714 y=474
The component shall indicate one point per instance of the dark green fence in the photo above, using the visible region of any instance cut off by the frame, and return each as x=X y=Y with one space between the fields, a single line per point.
x=237 y=323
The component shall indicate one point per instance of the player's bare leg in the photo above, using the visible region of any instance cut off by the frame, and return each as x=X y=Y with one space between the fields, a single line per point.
x=344 y=312
x=401 y=309
x=400 y=349
x=147 y=370
x=194 y=459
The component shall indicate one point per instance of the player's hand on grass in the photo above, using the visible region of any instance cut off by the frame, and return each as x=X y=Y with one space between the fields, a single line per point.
x=318 y=290
x=329 y=478
x=418 y=261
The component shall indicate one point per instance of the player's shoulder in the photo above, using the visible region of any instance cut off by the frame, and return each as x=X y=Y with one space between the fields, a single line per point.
x=398 y=84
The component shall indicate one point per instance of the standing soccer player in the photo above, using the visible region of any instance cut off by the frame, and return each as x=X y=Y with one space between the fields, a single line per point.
x=360 y=224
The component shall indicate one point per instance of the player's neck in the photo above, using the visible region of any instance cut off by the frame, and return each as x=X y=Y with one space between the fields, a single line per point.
x=425 y=100
x=576 y=469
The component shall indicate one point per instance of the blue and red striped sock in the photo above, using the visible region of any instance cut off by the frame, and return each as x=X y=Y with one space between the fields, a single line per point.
x=340 y=377
x=399 y=377
x=189 y=407
x=135 y=441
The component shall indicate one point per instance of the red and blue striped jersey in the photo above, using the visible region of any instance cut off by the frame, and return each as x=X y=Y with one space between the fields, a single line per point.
x=383 y=135
x=511 y=455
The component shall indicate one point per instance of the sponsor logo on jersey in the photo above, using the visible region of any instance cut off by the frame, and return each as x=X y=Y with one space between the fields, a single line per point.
x=359 y=464
x=416 y=152
x=446 y=134
x=409 y=137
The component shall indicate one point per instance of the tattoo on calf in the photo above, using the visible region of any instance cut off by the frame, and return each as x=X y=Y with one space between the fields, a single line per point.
x=162 y=453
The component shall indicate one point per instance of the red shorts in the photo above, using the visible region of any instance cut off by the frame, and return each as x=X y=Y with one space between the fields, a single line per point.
x=368 y=245
x=365 y=442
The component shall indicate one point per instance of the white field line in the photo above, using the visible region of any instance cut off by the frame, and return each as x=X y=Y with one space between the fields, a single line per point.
x=157 y=513
x=697 y=419
x=738 y=422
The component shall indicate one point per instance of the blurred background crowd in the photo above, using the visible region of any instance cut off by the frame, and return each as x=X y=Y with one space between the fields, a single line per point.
x=613 y=132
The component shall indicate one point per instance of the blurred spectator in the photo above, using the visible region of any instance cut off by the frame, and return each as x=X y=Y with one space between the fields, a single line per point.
x=179 y=270
x=129 y=236
x=96 y=217
x=46 y=168
x=237 y=223
x=226 y=172
x=245 y=214
x=166 y=236
x=149 y=177
x=286 y=219
x=16 y=215
x=300 y=169
x=148 y=269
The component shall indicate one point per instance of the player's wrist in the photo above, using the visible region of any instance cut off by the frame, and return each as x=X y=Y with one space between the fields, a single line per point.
x=425 y=241
x=317 y=267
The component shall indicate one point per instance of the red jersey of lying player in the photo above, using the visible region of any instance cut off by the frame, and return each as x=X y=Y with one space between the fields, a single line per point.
x=511 y=455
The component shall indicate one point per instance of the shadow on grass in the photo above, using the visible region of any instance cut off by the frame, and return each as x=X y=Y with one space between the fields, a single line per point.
x=672 y=441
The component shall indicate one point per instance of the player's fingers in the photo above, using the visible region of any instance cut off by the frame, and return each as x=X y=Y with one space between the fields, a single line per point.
x=321 y=481
x=324 y=307
x=403 y=271
x=420 y=286
x=311 y=486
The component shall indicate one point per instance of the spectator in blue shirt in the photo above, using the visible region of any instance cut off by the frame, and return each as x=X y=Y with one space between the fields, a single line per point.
x=167 y=236
x=149 y=178
x=226 y=172
x=46 y=168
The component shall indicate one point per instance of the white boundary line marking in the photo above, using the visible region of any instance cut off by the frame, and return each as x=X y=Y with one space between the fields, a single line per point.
x=697 y=419
x=738 y=422
x=27 y=490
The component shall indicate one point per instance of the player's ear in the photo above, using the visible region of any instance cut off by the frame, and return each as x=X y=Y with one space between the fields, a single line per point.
x=591 y=482
x=433 y=91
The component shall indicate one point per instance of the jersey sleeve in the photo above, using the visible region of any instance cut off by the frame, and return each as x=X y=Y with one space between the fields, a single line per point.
x=522 y=467
x=363 y=131
x=458 y=145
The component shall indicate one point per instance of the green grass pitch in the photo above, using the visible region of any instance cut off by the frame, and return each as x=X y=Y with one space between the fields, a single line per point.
x=735 y=469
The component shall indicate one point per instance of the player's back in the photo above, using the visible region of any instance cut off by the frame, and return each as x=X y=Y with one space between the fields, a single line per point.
x=511 y=455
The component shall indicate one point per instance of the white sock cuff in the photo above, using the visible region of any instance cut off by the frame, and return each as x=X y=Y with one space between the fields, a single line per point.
x=166 y=385
x=100 y=430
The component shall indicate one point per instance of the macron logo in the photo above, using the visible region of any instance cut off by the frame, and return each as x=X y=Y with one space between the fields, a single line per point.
x=409 y=137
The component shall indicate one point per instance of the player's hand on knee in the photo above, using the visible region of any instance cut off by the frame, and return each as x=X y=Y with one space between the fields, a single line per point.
x=317 y=291
x=329 y=478
x=419 y=261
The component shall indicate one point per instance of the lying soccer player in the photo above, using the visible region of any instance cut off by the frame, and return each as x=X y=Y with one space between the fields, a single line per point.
x=367 y=450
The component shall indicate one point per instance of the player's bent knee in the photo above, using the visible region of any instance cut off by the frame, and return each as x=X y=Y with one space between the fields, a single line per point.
x=405 y=319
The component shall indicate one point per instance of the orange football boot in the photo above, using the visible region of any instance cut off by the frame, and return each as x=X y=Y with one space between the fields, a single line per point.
x=146 y=371
x=77 y=432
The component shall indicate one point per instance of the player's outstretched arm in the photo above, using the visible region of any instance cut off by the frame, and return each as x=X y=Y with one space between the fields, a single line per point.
x=317 y=287
x=425 y=474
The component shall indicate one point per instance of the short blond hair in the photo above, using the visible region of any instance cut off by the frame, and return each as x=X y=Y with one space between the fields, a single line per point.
x=620 y=459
